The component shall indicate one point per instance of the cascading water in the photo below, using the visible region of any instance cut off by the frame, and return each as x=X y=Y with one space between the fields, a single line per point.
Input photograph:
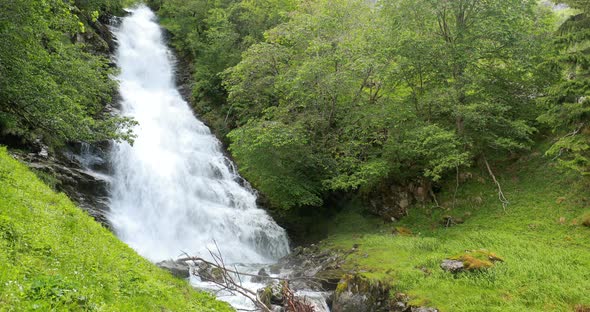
x=173 y=191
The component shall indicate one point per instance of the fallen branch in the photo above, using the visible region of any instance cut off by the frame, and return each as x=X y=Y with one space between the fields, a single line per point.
x=501 y=196
x=231 y=281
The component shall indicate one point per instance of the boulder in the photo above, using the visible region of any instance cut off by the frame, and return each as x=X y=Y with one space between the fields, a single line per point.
x=262 y=277
x=453 y=266
x=357 y=294
x=347 y=301
x=177 y=268
x=272 y=294
x=209 y=273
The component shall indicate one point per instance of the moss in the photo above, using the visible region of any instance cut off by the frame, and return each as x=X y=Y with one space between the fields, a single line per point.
x=343 y=285
x=404 y=231
x=478 y=259
x=266 y=295
x=472 y=263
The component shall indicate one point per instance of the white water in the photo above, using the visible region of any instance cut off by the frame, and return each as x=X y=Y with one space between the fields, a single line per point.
x=173 y=191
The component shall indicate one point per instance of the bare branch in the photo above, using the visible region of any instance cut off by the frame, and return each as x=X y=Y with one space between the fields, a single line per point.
x=501 y=196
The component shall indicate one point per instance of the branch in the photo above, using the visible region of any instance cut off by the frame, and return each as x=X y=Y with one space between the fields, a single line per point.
x=228 y=282
x=501 y=196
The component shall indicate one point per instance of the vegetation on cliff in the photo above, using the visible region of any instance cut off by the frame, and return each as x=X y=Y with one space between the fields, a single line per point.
x=54 y=257
x=52 y=86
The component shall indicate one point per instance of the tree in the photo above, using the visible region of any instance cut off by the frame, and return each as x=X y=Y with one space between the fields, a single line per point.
x=49 y=86
x=566 y=102
x=471 y=66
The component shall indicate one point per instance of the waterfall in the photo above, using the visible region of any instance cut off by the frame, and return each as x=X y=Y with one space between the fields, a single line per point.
x=174 y=191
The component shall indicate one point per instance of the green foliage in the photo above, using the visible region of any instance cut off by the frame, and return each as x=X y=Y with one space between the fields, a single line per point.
x=49 y=86
x=211 y=35
x=566 y=103
x=279 y=161
x=54 y=257
x=429 y=148
x=405 y=90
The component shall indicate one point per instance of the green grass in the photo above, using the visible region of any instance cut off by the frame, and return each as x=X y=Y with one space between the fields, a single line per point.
x=54 y=257
x=540 y=236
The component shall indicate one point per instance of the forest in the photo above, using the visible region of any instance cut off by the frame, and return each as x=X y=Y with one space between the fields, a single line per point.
x=315 y=98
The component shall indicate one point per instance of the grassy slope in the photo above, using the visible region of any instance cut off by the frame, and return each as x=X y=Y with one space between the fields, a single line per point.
x=547 y=264
x=53 y=257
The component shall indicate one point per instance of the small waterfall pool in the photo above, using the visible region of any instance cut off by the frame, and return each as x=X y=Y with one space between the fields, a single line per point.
x=174 y=191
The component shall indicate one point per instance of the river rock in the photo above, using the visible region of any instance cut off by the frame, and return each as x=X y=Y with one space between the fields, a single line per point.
x=177 y=268
x=271 y=294
x=453 y=266
x=313 y=268
x=209 y=273
x=262 y=276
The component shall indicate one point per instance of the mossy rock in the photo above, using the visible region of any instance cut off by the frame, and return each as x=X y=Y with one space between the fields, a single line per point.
x=331 y=278
x=478 y=259
x=359 y=293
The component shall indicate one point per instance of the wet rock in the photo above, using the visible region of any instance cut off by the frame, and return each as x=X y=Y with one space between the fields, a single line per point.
x=453 y=266
x=423 y=309
x=313 y=268
x=271 y=294
x=348 y=301
x=277 y=308
x=209 y=273
x=275 y=269
x=262 y=276
x=177 y=268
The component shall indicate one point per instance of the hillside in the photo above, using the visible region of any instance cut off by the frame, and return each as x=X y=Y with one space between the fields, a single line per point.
x=543 y=237
x=55 y=257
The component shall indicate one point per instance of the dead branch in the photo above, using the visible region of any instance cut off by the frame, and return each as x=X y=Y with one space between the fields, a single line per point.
x=294 y=304
x=501 y=196
x=231 y=281
x=456 y=186
x=228 y=281
x=434 y=197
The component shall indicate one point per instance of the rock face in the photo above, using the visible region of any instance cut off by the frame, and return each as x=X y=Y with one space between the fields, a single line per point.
x=392 y=202
x=177 y=268
x=79 y=170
